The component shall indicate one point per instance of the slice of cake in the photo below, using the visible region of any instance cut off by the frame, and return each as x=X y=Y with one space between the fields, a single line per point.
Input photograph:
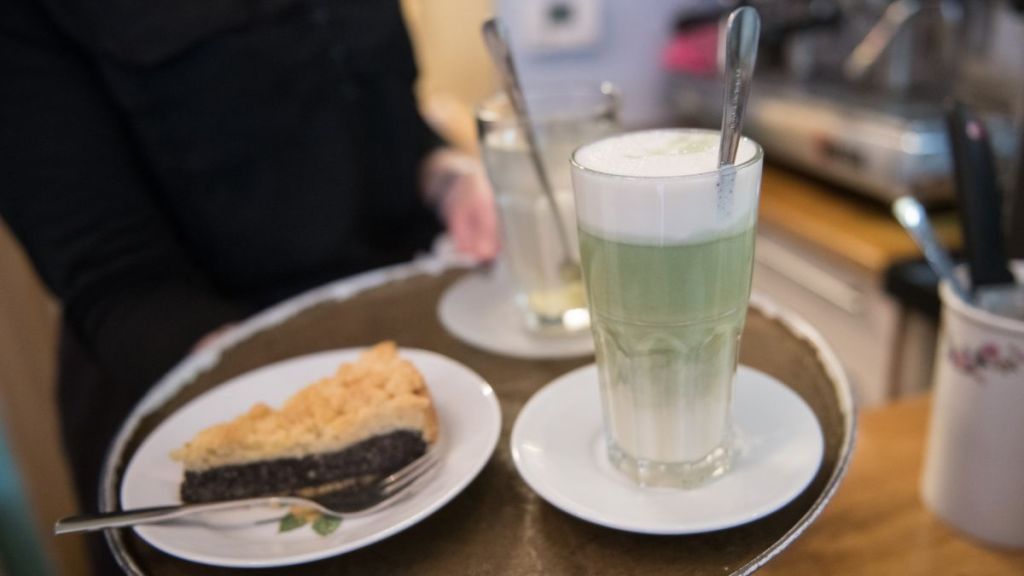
x=330 y=440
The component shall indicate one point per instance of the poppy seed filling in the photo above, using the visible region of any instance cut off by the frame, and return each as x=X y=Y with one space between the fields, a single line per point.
x=339 y=474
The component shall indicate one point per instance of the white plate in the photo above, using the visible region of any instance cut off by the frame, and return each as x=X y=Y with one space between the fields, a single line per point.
x=480 y=310
x=470 y=422
x=558 y=447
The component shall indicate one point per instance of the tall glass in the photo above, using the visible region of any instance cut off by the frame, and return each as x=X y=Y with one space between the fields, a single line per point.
x=667 y=242
x=552 y=300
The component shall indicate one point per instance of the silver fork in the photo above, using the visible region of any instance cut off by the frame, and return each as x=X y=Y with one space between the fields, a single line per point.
x=387 y=490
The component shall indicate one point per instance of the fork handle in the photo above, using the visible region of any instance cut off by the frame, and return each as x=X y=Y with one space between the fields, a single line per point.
x=122 y=518
x=91 y=522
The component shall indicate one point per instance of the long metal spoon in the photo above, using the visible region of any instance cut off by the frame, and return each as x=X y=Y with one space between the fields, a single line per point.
x=501 y=54
x=742 y=31
x=912 y=216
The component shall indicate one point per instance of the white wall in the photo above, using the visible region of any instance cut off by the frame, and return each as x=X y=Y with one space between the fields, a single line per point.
x=627 y=51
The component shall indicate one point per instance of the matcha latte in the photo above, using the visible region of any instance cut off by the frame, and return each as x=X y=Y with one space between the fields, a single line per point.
x=667 y=243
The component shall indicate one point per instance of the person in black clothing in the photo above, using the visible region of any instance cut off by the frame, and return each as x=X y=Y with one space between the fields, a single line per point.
x=173 y=166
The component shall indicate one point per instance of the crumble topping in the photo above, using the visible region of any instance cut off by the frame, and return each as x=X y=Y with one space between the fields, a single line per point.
x=379 y=393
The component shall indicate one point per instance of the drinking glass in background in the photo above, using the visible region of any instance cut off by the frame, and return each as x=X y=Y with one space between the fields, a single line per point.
x=551 y=299
x=667 y=240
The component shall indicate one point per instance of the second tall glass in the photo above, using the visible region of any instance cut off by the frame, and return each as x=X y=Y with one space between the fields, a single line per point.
x=551 y=300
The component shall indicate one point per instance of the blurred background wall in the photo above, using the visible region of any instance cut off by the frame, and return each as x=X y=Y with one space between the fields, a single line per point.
x=455 y=72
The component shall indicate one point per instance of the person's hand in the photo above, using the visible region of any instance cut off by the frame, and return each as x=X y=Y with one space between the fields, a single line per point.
x=468 y=212
x=458 y=187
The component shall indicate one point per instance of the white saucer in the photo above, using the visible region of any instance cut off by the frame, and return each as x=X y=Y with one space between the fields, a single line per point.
x=470 y=422
x=558 y=447
x=480 y=310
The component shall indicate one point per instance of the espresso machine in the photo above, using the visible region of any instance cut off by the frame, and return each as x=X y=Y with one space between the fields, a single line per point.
x=853 y=91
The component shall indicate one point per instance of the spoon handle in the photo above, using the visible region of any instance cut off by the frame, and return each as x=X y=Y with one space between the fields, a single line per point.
x=740 y=50
x=501 y=54
x=909 y=212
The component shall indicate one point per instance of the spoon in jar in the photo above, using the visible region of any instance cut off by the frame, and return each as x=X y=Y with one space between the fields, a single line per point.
x=501 y=54
x=911 y=215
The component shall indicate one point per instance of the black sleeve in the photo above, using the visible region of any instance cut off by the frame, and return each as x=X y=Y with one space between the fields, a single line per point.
x=428 y=140
x=77 y=197
x=401 y=68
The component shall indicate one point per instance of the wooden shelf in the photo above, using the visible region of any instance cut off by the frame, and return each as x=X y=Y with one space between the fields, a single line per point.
x=859 y=231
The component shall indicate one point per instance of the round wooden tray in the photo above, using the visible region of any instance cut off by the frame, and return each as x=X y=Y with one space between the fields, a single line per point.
x=497 y=525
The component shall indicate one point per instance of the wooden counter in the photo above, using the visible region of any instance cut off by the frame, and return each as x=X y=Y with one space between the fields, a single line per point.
x=877 y=523
x=857 y=230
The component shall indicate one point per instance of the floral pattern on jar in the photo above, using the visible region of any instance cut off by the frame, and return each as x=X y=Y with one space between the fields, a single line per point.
x=986 y=358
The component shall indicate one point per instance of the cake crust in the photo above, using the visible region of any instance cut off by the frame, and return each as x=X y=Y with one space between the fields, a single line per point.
x=379 y=393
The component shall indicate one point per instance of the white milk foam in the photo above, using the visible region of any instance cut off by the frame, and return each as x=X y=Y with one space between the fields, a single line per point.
x=661 y=187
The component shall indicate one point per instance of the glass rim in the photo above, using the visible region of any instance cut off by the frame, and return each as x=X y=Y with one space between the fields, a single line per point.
x=607 y=90
x=757 y=157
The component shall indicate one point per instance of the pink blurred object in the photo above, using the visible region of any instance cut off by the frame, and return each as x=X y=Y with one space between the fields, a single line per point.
x=693 y=52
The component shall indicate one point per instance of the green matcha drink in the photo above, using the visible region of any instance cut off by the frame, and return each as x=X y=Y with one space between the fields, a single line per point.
x=667 y=248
